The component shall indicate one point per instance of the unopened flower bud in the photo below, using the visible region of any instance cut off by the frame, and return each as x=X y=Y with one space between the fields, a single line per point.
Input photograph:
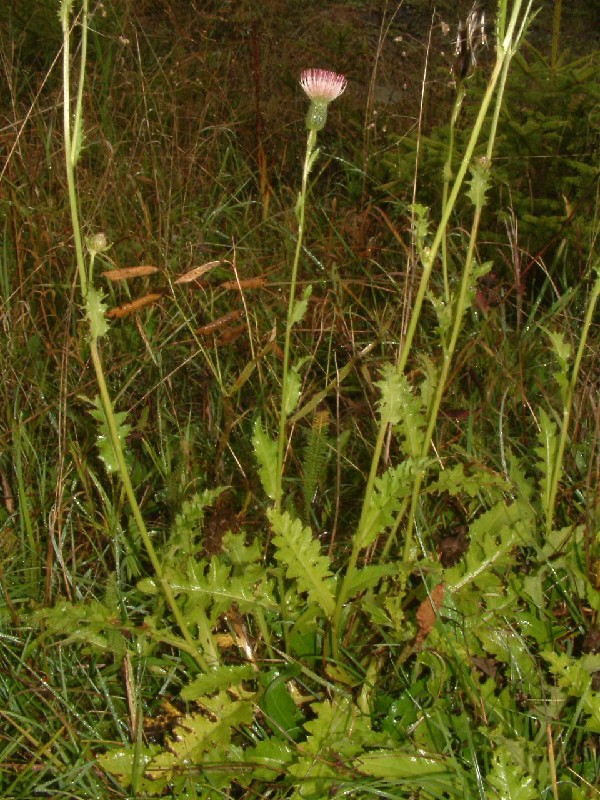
x=97 y=243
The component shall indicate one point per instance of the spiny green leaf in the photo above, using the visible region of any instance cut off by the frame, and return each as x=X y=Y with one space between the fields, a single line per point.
x=104 y=438
x=562 y=350
x=479 y=183
x=96 y=310
x=187 y=528
x=218 y=679
x=368 y=577
x=444 y=311
x=300 y=553
x=509 y=781
x=265 y=452
x=420 y=227
x=400 y=406
x=493 y=536
x=202 y=736
x=242 y=556
x=122 y=762
x=388 y=492
x=456 y=481
x=213 y=587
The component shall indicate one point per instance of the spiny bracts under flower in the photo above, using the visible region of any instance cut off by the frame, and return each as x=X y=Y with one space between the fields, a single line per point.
x=321 y=86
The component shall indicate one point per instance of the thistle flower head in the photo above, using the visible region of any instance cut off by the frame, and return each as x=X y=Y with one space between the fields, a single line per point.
x=97 y=243
x=320 y=84
x=321 y=87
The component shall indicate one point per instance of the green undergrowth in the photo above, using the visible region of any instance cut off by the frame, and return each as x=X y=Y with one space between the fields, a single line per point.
x=351 y=551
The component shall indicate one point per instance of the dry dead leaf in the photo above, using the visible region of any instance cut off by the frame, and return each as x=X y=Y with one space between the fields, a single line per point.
x=130 y=308
x=216 y=324
x=427 y=613
x=246 y=283
x=129 y=272
x=197 y=272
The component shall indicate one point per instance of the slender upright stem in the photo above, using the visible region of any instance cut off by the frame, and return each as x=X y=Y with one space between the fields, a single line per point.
x=568 y=405
x=459 y=311
x=284 y=411
x=71 y=153
x=447 y=174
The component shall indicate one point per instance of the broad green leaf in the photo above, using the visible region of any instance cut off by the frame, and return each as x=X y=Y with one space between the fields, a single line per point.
x=547 y=451
x=292 y=390
x=509 y=781
x=562 y=349
x=300 y=553
x=392 y=387
x=120 y=763
x=299 y=307
x=265 y=452
x=368 y=577
x=95 y=310
x=269 y=759
x=284 y=717
x=398 y=765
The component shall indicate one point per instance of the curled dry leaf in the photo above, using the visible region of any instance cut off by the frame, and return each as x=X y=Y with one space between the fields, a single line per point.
x=197 y=272
x=130 y=308
x=427 y=613
x=219 y=323
x=230 y=335
x=246 y=283
x=129 y=272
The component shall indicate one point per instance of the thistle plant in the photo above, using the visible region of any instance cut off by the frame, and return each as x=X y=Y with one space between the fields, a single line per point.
x=92 y=300
x=322 y=87
x=396 y=394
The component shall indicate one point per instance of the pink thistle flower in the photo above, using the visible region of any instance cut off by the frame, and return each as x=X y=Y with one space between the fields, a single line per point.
x=322 y=85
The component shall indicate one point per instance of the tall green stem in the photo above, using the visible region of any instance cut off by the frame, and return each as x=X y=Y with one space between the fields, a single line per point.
x=285 y=393
x=568 y=405
x=447 y=174
x=73 y=143
x=459 y=311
